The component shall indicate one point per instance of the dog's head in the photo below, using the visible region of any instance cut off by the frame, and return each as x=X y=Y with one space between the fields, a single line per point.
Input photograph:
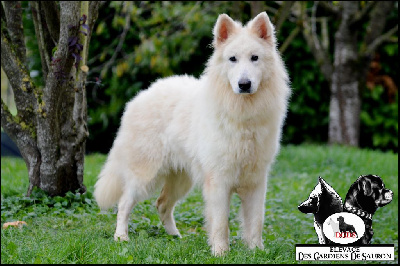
x=340 y=219
x=323 y=199
x=245 y=53
x=369 y=193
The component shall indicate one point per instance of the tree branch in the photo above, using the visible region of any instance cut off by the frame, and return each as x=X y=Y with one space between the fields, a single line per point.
x=289 y=39
x=360 y=15
x=52 y=17
x=25 y=138
x=282 y=14
x=13 y=13
x=93 y=14
x=256 y=7
x=3 y=16
x=377 y=22
x=310 y=35
x=7 y=120
x=379 y=40
x=21 y=82
x=120 y=43
x=79 y=107
x=44 y=57
x=329 y=8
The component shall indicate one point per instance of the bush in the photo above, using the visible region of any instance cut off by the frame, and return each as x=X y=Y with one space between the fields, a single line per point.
x=173 y=38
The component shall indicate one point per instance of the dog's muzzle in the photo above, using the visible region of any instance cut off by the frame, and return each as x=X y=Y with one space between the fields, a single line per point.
x=386 y=198
x=244 y=86
x=388 y=195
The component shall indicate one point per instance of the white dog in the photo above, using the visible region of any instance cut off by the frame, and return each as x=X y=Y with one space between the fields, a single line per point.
x=222 y=130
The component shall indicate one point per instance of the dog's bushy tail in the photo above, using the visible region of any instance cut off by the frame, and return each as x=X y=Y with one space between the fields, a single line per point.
x=108 y=188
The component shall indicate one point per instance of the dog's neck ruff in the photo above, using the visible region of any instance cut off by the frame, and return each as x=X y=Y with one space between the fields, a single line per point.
x=357 y=211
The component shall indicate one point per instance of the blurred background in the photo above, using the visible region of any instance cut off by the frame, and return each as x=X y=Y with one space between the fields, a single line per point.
x=135 y=43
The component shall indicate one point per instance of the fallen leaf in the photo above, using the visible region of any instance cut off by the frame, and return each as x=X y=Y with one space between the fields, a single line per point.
x=14 y=224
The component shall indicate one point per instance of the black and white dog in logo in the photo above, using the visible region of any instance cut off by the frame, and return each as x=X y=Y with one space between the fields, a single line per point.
x=364 y=197
x=322 y=202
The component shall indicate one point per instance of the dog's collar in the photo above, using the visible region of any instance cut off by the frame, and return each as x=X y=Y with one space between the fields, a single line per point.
x=357 y=211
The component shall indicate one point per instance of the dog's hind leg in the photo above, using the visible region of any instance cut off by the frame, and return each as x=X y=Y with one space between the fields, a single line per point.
x=176 y=186
x=125 y=206
x=135 y=189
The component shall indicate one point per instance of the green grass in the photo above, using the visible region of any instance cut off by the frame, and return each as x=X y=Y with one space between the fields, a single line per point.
x=72 y=230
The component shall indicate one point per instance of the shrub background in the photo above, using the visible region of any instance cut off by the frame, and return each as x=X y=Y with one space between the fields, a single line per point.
x=135 y=43
x=174 y=38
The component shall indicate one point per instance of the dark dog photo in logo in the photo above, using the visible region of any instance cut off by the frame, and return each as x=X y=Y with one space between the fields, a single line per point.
x=345 y=228
x=363 y=198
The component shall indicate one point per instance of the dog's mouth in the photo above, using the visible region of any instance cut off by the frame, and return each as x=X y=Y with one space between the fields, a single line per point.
x=386 y=198
x=246 y=91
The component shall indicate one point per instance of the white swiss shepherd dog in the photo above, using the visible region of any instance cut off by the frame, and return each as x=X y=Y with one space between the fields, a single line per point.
x=222 y=130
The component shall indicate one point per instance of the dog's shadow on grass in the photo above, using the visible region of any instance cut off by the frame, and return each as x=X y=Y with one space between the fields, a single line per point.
x=149 y=231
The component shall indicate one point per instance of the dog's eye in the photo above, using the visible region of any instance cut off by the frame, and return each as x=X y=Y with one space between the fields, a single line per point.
x=232 y=59
x=254 y=58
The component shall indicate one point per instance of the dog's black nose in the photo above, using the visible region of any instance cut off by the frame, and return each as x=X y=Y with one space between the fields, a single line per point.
x=244 y=86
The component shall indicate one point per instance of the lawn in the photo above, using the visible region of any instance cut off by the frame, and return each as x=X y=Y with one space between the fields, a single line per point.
x=73 y=230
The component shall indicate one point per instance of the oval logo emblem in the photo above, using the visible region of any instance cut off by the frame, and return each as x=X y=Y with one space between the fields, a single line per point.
x=344 y=228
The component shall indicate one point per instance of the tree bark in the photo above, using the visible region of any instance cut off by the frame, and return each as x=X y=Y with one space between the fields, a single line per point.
x=345 y=104
x=351 y=61
x=50 y=126
x=350 y=67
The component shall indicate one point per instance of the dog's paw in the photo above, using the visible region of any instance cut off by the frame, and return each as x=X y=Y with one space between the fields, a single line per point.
x=173 y=231
x=253 y=245
x=121 y=238
x=219 y=250
x=177 y=235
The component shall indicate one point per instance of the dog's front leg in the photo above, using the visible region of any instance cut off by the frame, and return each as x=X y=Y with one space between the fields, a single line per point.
x=252 y=212
x=320 y=234
x=217 y=198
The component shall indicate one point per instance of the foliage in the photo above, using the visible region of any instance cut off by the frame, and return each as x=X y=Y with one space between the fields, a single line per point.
x=72 y=232
x=166 y=38
x=39 y=203
x=380 y=120
x=308 y=116
x=379 y=111
x=159 y=43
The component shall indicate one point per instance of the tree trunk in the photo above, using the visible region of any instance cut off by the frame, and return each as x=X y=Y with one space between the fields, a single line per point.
x=50 y=126
x=345 y=102
x=347 y=74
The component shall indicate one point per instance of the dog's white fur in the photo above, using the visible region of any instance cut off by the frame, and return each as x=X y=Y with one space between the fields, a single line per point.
x=184 y=130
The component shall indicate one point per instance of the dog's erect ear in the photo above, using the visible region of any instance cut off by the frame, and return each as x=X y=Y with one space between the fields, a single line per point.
x=262 y=26
x=366 y=186
x=323 y=183
x=328 y=189
x=224 y=28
